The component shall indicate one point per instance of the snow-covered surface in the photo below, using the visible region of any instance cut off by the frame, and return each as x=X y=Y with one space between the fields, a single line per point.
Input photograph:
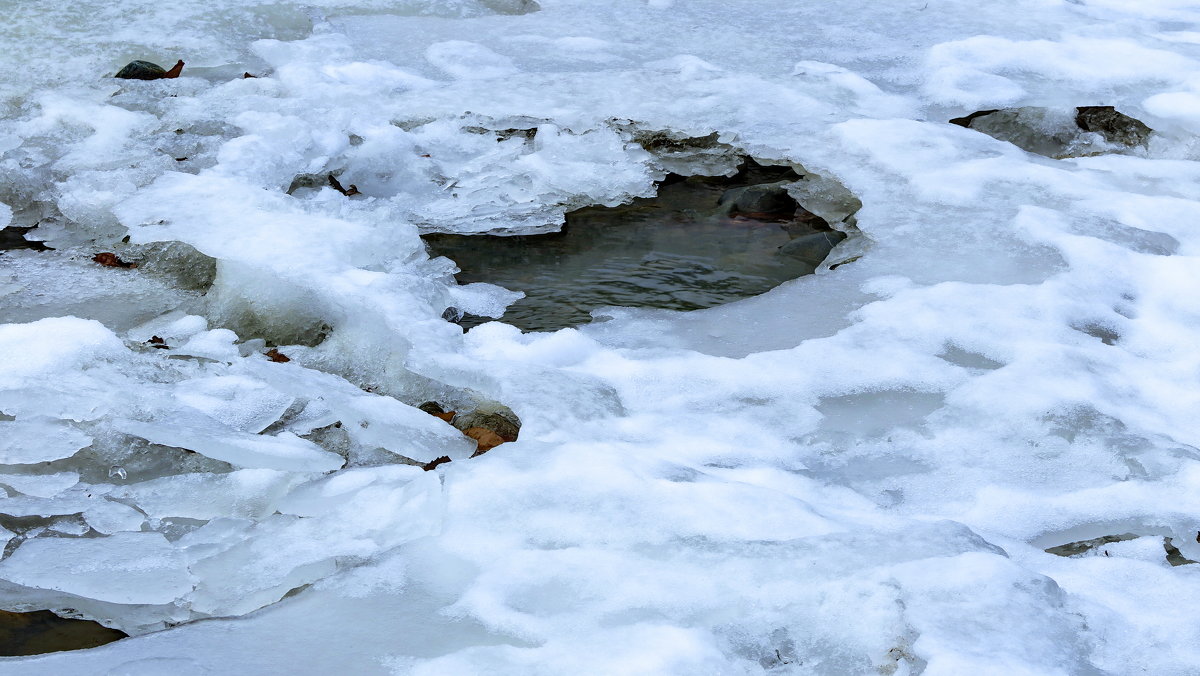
x=857 y=472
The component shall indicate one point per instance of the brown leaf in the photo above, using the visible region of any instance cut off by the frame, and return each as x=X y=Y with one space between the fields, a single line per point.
x=248 y=75
x=486 y=439
x=174 y=72
x=447 y=416
x=110 y=260
x=435 y=462
x=158 y=343
x=337 y=185
x=276 y=356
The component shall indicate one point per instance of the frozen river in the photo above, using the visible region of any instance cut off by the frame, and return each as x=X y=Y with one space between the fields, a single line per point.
x=210 y=440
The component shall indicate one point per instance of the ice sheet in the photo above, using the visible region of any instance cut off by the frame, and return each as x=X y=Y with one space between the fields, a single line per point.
x=856 y=472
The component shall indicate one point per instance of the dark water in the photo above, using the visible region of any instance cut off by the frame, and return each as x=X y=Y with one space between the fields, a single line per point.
x=679 y=250
x=44 y=632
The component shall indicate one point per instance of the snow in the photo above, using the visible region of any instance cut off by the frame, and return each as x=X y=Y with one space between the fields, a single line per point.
x=856 y=472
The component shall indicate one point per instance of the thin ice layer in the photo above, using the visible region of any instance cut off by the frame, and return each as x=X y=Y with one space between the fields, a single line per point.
x=130 y=568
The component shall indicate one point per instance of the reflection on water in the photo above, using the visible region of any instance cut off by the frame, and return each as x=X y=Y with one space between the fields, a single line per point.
x=680 y=250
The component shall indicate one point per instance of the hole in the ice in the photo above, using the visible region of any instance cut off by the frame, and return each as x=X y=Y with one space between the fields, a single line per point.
x=39 y=632
x=702 y=241
x=1084 y=546
x=967 y=359
x=1106 y=334
x=1098 y=547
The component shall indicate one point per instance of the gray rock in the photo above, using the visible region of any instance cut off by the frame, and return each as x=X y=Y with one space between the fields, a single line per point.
x=1114 y=126
x=144 y=70
x=1060 y=133
x=432 y=408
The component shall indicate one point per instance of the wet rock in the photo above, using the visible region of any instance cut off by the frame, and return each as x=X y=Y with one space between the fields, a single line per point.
x=495 y=418
x=511 y=6
x=435 y=409
x=453 y=315
x=1114 y=126
x=44 y=632
x=1060 y=133
x=1174 y=556
x=766 y=202
x=1084 y=546
x=485 y=439
x=13 y=237
x=814 y=248
x=144 y=70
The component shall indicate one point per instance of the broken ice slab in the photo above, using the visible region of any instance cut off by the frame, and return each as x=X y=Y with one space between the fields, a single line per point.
x=205 y=436
x=126 y=568
x=244 y=404
x=244 y=493
x=40 y=485
x=354 y=514
x=33 y=440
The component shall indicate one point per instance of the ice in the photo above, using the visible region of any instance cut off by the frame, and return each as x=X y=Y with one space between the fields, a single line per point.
x=127 y=568
x=32 y=440
x=244 y=404
x=40 y=485
x=856 y=472
x=245 y=493
x=283 y=451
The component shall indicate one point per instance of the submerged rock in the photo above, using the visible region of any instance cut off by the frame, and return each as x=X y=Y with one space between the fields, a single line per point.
x=1060 y=133
x=814 y=248
x=145 y=70
x=766 y=202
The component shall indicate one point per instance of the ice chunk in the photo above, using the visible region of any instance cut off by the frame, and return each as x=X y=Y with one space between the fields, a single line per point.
x=40 y=485
x=284 y=451
x=218 y=344
x=172 y=327
x=33 y=440
x=50 y=346
x=246 y=493
x=355 y=513
x=245 y=404
x=131 y=568
x=107 y=516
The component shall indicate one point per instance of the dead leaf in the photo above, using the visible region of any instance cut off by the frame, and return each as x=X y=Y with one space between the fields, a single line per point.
x=248 y=75
x=435 y=462
x=336 y=185
x=485 y=438
x=158 y=343
x=447 y=416
x=174 y=72
x=276 y=356
x=110 y=260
